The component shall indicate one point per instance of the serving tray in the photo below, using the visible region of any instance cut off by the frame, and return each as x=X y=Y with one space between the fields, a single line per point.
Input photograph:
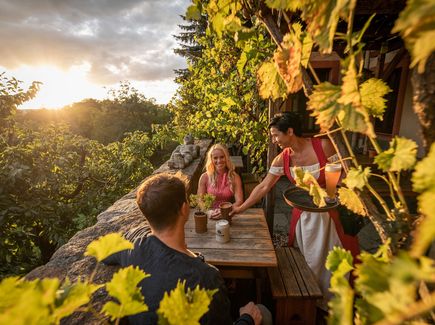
x=299 y=198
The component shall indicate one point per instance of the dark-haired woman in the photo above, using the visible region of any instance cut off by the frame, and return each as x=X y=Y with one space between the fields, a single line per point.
x=315 y=233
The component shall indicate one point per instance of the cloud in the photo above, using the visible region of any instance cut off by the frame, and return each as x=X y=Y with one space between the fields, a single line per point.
x=120 y=40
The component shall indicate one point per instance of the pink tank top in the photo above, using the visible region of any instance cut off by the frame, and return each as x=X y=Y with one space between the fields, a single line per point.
x=222 y=190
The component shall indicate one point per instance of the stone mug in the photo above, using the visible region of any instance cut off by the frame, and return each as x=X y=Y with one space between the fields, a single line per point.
x=226 y=208
x=222 y=231
x=200 y=222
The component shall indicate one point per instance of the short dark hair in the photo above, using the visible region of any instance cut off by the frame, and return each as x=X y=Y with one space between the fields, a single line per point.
x=284 y=121
x=160 y=198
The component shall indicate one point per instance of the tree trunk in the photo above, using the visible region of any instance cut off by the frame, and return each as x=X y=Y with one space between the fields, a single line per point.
x=424 y=99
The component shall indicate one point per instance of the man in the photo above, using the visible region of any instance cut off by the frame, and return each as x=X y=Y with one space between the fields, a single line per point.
x=163 y=201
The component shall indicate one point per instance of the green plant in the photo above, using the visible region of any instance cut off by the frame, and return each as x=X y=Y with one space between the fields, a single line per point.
x=48 y=301
x=202 y=202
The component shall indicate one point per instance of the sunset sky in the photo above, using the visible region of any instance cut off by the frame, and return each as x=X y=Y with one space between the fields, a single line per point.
x=78 y=47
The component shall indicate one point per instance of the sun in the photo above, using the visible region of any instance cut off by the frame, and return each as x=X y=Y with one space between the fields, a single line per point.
x=59 y=87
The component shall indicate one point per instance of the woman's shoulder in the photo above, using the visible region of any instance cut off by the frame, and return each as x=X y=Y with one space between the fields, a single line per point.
x=278 y=161
x=203 y=178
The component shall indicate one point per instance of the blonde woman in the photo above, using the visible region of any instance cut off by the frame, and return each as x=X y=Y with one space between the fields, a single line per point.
x=220 y=178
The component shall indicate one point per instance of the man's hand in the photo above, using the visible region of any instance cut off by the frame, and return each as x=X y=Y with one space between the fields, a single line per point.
x=252 y=310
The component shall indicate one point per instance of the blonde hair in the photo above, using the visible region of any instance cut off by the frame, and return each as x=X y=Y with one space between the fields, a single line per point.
x=211 y=169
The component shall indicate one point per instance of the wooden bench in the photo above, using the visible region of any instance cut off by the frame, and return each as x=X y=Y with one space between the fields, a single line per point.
x=294 y=288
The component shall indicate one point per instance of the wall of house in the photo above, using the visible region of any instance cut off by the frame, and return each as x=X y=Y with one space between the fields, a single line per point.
x=409 y=124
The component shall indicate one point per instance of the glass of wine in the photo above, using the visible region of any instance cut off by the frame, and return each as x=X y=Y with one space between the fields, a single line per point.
x=332 y=175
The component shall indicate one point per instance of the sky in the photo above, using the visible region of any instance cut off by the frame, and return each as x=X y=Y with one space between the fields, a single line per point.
x=81 y=48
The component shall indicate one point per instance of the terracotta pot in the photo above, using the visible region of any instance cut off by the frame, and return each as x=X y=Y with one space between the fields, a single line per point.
x=226 y=208
x=200 y=222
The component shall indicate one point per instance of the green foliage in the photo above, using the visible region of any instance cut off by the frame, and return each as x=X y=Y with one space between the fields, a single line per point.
x=46 y=301
x=54 y=182
x=293 y=53
x=217 y=100
x=416 y=26
x=339 y=262
x=181 y=307
x=372 y=96
x=107 y=245
x=41 y=301
x=12 y=95
x=202 y=202
x=269 y=77
x=323 y=103
x=357 y=178
x=423 y=180
x=400 y=156
x=351 y=200
x=123 y=287
x=307 y=181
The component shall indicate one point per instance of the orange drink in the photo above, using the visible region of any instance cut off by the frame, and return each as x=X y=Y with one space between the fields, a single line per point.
x=332 y=175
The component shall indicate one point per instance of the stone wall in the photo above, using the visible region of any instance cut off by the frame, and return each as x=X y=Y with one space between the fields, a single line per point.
x=68 y=261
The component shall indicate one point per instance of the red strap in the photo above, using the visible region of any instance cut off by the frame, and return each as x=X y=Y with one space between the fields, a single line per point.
x=286 y=161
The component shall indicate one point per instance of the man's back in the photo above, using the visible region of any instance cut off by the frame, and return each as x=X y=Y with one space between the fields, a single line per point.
x=166 y=267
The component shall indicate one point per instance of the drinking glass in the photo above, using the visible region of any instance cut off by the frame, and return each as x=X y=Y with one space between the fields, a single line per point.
x=332 y=175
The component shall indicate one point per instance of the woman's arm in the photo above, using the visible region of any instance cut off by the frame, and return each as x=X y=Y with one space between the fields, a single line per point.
x=202 y=184
x=261 y=189
x=238 y=190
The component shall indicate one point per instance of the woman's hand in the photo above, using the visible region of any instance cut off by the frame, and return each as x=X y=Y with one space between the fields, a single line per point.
x=215 y=214
x=236 y=209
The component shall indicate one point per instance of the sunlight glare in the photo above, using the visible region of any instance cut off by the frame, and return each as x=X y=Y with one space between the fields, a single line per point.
x=59 y=87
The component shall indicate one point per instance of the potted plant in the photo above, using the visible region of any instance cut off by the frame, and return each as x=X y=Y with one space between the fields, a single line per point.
x=202 y=203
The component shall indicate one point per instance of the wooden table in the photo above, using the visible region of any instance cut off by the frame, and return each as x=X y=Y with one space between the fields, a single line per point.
x=247 y=255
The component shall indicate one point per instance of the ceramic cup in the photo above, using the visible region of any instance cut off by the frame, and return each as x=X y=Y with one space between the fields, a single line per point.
x=200 y=222
x=226 y=208
x=222 y=231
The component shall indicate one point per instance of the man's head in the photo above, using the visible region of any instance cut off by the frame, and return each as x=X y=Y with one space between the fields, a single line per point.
x=161 y=198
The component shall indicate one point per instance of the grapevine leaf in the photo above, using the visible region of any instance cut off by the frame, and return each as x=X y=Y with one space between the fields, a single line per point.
x=123 y=287
x=288 y=62
x=307 y=181
x=415 y=25
x=338 y=256
x=181 y=307
x=30 y=301
x=400 y=156
x=426 y=229
x=353 y=120
x=271 y=83
x=193 y=13
x=77 y=295
x=291 y=5
x=323 y=103
x=322 y=18
x=349 y=89
x=423 y=177
x=372 y=96
x=372 y=274
x=339 y=262
x=107 y=245
x=357 y=178
x=351 y=200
